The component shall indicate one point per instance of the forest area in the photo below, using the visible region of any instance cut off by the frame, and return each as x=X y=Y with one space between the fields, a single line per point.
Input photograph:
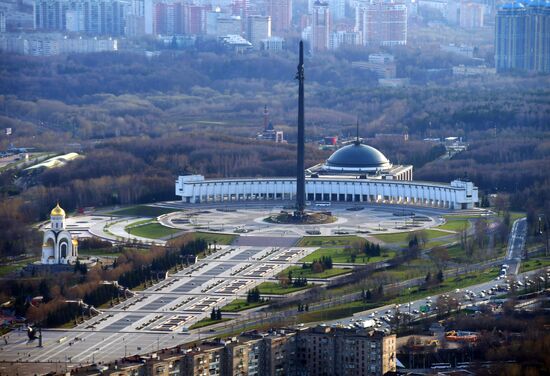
x=140 y=122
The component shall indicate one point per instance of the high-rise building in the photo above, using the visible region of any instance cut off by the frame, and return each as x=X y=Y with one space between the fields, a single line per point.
x=195 y=18
x=228 y=25
x=168 y=19
x=320 y=27
x=139 y=18
x=337 y=9
x=471 y=15
x=382 y=23
x=281 y=15
x=2 y=21
x=93 y=17
x=257 y=29
x=522 y=37
x=240 y=8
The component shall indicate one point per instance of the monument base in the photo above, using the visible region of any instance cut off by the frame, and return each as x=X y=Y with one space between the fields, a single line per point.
x=301 y=218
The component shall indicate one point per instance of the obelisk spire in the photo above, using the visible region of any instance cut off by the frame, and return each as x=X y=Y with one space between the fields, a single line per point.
x=300 y=173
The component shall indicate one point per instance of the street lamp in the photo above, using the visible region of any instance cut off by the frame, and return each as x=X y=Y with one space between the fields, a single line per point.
x=543 y=230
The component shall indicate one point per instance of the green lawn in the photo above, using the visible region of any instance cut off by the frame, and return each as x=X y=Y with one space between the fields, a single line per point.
x=298 y=271
x=7 y=269
x=324 y=241
x=516 y=215
x=401 y=237
x=534 y=263
x=152 y=231
x=455 y=225
x=238 y=305
x=206 y=322
x=142 y=211
x=339 y=256
x=99 y=252
x=457 y=253
x=275 y=288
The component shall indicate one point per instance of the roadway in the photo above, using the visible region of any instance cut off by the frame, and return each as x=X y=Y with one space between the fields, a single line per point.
x=516 y=244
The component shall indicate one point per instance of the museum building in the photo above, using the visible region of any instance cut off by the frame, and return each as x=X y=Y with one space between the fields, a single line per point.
x=354 y=173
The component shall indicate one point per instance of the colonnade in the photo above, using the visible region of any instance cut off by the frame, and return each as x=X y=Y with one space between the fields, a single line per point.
x=457 y=195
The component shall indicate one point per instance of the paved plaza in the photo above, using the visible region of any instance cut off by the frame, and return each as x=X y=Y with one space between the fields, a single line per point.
x=160 y=316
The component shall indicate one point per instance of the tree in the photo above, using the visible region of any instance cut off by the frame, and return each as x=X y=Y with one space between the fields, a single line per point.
x=368 y=295
x=317 y=267
x=428 y=278
x=440 y=276
x=253 y=295
x=440 y=256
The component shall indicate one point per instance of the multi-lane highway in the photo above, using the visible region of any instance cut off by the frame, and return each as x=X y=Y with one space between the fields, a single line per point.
x=473 y=295
x=516 y=243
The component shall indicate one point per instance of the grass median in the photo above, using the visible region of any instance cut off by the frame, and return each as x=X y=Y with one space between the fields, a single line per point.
x=298 y=271
x=207 y=322
x=151 y=231
x=339 y=255
x=239 y=305
x=327 y=241
x=275 y=288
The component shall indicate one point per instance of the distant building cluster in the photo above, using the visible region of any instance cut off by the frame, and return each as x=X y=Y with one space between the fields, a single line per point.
x=522 y=37
x=264 y=24
x=312 y=351
x=377 y=23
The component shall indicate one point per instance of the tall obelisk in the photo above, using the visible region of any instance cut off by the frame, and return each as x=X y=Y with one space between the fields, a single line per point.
x=300 y=168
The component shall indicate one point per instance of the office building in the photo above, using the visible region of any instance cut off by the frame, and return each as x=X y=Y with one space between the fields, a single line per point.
x=522 y=37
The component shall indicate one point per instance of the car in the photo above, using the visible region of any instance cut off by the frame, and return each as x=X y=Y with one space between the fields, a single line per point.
x=416 y=312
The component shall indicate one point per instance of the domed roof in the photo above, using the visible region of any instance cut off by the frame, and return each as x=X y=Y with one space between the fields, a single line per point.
x=57 y=211
x=357 y=155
